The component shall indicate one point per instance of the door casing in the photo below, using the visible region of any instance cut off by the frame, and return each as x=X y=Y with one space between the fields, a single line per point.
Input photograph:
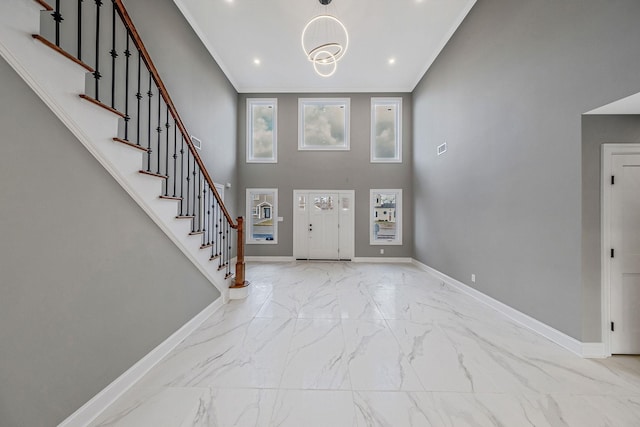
x=608 y=151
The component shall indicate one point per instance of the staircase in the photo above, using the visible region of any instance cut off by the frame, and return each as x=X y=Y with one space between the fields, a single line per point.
x=86 y=61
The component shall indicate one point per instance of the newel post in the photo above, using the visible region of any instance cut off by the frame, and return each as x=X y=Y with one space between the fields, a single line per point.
x=240 y=282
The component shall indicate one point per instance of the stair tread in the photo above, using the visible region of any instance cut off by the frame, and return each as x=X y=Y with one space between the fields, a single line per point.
x=62 y=52
x=170 y=198
x=157 y=175
x=131 y=144
x=102 y=105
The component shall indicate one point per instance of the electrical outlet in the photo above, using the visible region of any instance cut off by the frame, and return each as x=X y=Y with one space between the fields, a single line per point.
x=381 y=251
x=473 y=278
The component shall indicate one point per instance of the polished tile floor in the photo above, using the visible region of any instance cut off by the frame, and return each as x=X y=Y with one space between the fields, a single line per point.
x=347 y=344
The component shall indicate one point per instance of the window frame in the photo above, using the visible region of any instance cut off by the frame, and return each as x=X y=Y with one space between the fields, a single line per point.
x=381 y=102
x=397 y=214
x=251 y=103
x=345 y=103
x=251 y=212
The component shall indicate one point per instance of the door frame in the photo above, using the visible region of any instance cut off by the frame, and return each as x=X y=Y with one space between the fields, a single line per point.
x=352 y=193
x=608 y=151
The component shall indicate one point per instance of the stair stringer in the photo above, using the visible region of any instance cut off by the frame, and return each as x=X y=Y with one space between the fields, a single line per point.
x=59 y=82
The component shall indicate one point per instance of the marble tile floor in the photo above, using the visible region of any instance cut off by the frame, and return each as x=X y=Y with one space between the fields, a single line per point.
x=349 y=344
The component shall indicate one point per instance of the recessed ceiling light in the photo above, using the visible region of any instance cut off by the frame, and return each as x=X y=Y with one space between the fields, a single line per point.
x=256 y=61
x=391 y=61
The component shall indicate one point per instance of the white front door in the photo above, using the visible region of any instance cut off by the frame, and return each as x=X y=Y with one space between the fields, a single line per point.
x=625 y=254
x=323 y=224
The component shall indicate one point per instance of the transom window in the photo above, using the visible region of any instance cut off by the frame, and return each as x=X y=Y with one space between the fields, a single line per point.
x=323 y=123
x=386 y=130
x=262 y=117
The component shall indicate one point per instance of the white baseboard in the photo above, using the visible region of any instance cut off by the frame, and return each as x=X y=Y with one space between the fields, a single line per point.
x=269 y=259
x=383 y=259
x=594 y=350
x=587 y=350
x=101 y=401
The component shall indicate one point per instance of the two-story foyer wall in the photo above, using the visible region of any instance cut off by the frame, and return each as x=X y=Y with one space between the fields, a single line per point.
x=328 y=170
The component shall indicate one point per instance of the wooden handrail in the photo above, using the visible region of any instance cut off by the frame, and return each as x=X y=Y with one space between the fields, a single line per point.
x=137 y=40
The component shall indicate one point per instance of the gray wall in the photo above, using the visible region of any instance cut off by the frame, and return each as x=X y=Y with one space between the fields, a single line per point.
x=597 y=130
x=507 y=94
x=331 y=170
x=88 y=283
x=205 y=99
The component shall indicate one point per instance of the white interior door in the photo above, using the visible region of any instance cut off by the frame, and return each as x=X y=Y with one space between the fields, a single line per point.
x=324 y=222
x=323 y=225
x=625 y=261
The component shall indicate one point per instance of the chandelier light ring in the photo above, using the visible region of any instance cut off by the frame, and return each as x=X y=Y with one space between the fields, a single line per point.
x=333 y=45
x=335 y=50
x=331 y=62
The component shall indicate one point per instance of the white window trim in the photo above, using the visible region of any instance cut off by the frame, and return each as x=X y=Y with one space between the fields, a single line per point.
x=398 y=213
x=274 y=215
x=249 y=137
x=397 y=102
x=346 y=102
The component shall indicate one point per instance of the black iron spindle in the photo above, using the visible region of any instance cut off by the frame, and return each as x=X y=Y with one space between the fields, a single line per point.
x=159 y=132
x=80 y=29
x=150 y=95
x=114 y=55
x=166 y=156
x=127 y=54
x=175 y=157
x=228 y=251
x=139 y=98
x=96 y=73
x=188 y=180
x=205 y=228
x=193 y=199
x=57 y=17
x=209 y=207
x=181 y=173
x=199 y=200
x=214 y=234
x=220 y=238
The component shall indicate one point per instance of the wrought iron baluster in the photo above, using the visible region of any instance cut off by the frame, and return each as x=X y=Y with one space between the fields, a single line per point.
x=127 y=54
x=204 y=226
x=188 y=180
x=166 y=155
x=226 y=258
x=181 y=173
x=193 y=199
x=139 y=97
x=209 y=221
x=199 y=199
x=80 y=29
x=114 y=55
x=159 y=132
x=220 y=239
x=214 y=235
x=96 y=73
x=149 y=95
x=57 y=17
x=175 y=157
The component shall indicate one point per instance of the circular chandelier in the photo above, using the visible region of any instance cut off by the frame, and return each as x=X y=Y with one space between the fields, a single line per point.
x=325 y=41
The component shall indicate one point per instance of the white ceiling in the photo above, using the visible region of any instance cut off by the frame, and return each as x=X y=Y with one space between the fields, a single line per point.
x=237 y=32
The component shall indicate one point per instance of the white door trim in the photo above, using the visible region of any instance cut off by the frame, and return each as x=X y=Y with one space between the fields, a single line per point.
x=608 y=150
